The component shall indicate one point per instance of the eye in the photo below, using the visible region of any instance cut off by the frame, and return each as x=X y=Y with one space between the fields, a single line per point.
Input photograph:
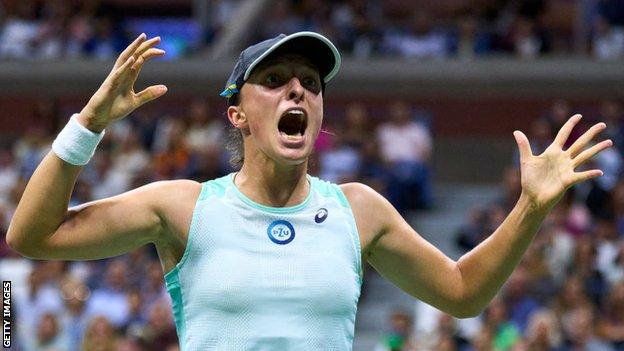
x=272 y=80
x=311 y=83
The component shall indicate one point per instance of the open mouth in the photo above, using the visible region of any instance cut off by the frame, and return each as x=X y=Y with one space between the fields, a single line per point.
x=293 y=123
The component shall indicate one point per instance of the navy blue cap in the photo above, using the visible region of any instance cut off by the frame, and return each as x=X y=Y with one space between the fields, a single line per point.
x=318 y=49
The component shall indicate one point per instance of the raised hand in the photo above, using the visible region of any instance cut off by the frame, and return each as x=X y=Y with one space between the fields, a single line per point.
x=546 y=177
x=116 y=98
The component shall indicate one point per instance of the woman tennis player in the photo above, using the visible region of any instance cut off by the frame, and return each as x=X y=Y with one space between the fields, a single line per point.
x=269 y=258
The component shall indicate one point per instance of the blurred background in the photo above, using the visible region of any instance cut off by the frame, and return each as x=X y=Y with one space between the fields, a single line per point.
x=425 y=104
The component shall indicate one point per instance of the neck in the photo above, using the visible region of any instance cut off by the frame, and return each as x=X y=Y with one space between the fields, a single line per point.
x=272 y=185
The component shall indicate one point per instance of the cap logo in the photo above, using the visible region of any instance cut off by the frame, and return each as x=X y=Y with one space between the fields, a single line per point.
x=229 y=91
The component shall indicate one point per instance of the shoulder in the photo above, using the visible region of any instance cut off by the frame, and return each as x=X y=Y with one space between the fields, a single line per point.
x=365 y=201
x=357 y=192
x=372 y=212
x=168 y=190
x=166 y=197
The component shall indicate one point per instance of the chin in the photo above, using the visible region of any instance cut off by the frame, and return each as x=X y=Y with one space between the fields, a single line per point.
x=292 y=157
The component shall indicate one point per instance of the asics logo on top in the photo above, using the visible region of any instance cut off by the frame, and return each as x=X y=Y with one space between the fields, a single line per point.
x=321 y=215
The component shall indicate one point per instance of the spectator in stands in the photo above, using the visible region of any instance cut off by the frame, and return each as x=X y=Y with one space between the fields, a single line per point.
x=358 y=26
x=357 y=127
x=372 y=171
x=419 y=40
x=571 y=296
x=445 y=336
x=43 y=297
x=205 y=132
x=110 y=300
x=517 y=296
x=406 y=148
x=136 y=316
x=609 y=261
x=505 y=334
x=584 y=266
x=399 y=337
x=470 y=234
x=600 y=195
x=471 y=40
x=9 y=173
x=526 y=41
x=53 y=34
x=19 y=31
x=611 y=322
x=80 y=31
x=99 y=336
x=74 y=318
x=283 y=20
x=618 y=207
x=31 y=149
x=173 y=159
x=159 y=332
x=544 y=332
x=153 y=289
x=138 y=261
x=106 y=41
x=48 y=336
x=341 y=163
x=607 y=41
x=612 y=113
x=578 y=327
x=204 y=139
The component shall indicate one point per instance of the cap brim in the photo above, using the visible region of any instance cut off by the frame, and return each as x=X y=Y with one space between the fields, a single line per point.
x=318 y=49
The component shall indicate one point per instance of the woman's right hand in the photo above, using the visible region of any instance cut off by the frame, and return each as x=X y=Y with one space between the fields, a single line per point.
x=116 y=98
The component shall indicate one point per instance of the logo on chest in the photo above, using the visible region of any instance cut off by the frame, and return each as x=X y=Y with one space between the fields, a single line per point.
x=281 y=232
x=321 y=215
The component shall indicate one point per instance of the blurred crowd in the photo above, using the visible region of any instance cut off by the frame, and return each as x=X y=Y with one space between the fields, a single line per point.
x=464 y=29
x=121 y=303
x=568 y=292
x=461 y=29
x=61 y=29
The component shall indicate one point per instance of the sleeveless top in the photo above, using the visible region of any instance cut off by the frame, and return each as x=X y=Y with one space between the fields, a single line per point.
x=254 y=277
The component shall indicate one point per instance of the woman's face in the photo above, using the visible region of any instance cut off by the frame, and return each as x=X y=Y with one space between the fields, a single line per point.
x=282 y=107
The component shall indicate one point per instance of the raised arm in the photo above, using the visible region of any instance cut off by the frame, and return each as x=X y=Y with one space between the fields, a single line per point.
x=42 y=226
x=465 y=287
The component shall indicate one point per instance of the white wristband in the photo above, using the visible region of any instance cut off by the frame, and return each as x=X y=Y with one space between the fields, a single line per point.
x=76 y=144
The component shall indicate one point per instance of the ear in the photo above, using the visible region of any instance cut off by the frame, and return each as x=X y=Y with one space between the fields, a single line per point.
x=237 y=117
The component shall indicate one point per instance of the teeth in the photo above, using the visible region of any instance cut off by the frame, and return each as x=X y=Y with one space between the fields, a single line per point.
x=291 y=137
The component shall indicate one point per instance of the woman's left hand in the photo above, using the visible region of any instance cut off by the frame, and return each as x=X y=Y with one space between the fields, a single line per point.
x=546 y=177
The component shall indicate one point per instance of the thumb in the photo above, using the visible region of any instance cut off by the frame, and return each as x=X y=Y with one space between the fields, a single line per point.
x=523 y=145
x=151 y=93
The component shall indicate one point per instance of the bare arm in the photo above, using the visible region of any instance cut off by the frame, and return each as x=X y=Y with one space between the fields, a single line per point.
x=42 y=226
x=465 y=287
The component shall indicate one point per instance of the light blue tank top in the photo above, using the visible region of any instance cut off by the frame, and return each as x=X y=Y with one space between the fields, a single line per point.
x=254 y=277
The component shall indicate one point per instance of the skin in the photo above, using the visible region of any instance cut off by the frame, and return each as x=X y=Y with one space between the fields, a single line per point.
x=274 y=175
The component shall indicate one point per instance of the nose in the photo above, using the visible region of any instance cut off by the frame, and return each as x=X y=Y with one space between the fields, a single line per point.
x=295 y=90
